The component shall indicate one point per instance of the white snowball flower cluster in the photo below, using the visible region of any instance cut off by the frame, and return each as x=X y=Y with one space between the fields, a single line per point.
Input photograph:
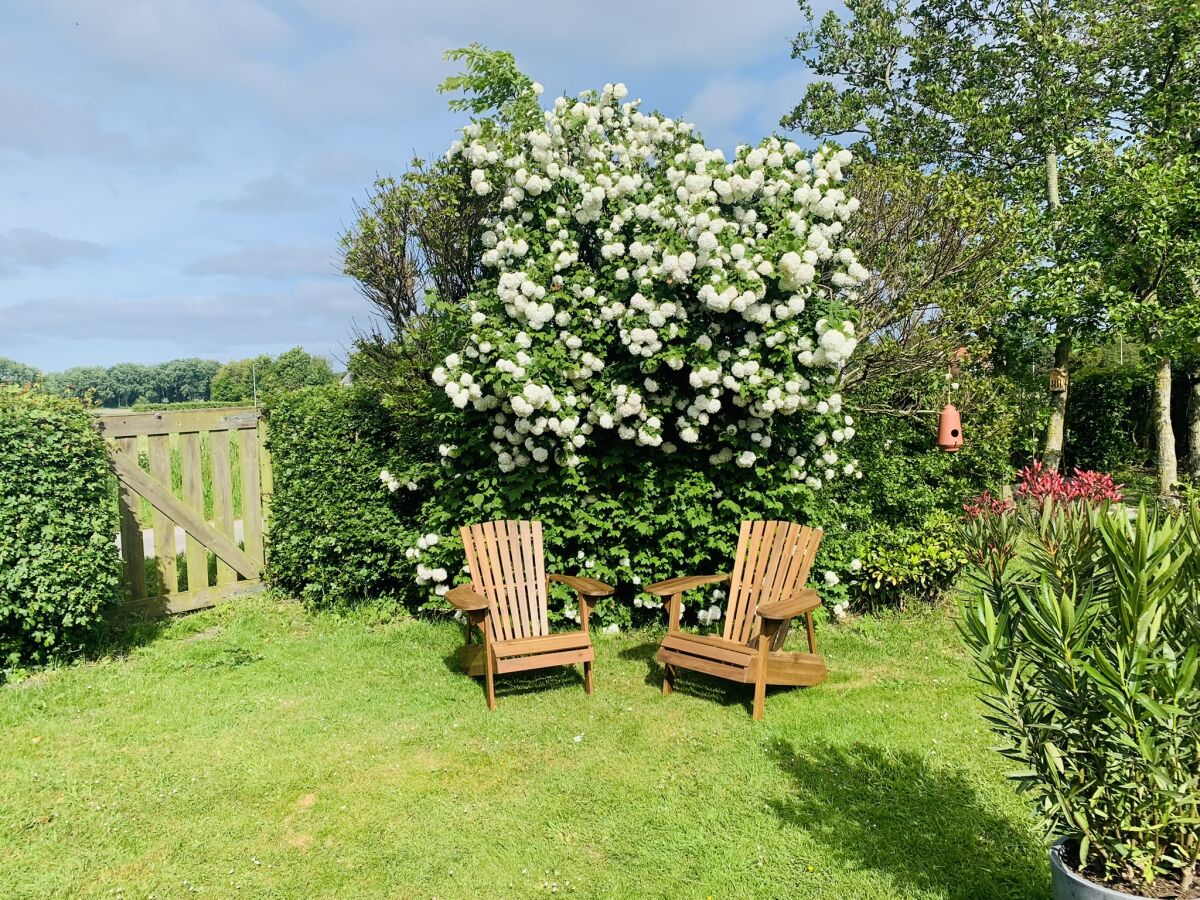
x=389 y=480
x=638 y=286
x=436 y=576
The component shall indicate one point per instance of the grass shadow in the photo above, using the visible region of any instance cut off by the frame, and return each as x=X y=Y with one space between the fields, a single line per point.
x=528 y=682
x=125 y=629
x=695 y=684
x=927 y=828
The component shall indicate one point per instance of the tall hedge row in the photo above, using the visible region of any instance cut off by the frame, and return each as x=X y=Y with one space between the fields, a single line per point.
x=334 y=538
x=1109 y=418
x=59 y=567
x=340 y=533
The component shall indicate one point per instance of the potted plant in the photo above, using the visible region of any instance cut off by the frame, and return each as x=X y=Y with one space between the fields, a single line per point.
x=1085 y=629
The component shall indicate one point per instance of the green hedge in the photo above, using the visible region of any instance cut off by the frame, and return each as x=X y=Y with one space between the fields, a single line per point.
x=1109 y=418
x=338 y=535
x=334 y=538
x=59 y=567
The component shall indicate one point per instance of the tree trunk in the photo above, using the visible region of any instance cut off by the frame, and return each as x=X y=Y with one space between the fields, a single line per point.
x=1194 y=429
x=1053 y=449
x=1052 y=177
x=1164 y=432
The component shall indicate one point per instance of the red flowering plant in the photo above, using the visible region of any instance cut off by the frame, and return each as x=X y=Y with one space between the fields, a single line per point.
x=990 y=535
x=1037 y=485
x=986 y=505
x=1040 y=484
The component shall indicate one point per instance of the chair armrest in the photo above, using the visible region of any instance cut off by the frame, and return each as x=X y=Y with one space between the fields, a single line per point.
x=803 y=602
x=588 y=587
x=679 y=585
x=465 y=598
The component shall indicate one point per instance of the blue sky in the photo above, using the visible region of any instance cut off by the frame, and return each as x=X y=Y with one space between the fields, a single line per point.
x=174 y=174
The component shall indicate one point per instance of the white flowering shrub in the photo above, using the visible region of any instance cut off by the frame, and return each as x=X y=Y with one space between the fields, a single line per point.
x=635 y=341
x=641 y=291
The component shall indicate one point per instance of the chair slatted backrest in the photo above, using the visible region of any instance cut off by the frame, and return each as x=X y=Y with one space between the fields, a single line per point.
x=508 y=569
x=773 y=561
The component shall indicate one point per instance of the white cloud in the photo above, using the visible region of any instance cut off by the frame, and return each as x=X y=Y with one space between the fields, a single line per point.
x=272 y=194
x=183 y=37
x=317 y=315
x=25 y=248
x=41 y=126
x=268 y=261
x=733 y=108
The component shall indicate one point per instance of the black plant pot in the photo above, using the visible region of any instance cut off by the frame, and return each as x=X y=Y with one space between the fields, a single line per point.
x=1070 y=886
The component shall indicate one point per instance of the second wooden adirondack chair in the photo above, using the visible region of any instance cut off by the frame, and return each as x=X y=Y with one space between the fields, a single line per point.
x=766 y=591
x=507 y=601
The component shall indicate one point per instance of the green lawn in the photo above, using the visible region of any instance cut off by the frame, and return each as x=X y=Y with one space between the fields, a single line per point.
x=257 y=750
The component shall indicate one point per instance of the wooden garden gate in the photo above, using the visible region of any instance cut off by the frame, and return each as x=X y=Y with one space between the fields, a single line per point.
x=205 y=467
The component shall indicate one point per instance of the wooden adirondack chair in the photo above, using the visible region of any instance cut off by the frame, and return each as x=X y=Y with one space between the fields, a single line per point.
x=766 y=591
x=507 y=600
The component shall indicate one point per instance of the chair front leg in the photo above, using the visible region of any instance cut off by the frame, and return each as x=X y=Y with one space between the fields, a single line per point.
x=812 y=638
x=674 y=610
x=585 y=612
x=760 y=680
x=767 y=634
x=489 y=669
x=584 y=604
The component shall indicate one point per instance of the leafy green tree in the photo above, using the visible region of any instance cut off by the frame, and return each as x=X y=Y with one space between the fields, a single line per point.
x=83 y=382
x=13 y=372
x=416 y=239
x=234 y=382
x=262 y=378
x=295 y=369
x=184 y=380
x=1151 y=216
x=1146 y=221
x=1001 y=89
x=126 y=383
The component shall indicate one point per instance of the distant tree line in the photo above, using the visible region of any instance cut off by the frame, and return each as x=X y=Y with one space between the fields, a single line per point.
x=189 y=380
x=264 y=377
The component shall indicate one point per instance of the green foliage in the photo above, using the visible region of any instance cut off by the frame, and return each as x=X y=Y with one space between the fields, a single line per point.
x=235 y=381
x=340 y=536
x=967 y=84
x=1108 y=421
x=59 y=568
x=920 y=564
x=1148 y=222
x=1085 y=627
x=263 y=377
x=492 y=84
x=147 y=406
x=896 y=517
x=14 y=372
x=176 y=381
x=1081 y=114
x=334 y=538
x=415 y=239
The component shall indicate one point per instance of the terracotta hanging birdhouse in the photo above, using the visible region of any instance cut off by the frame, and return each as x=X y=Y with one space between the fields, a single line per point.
x=950 y=436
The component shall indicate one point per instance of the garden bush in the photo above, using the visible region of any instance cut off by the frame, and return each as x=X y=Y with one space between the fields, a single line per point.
x=1109 y=418
x=647 y=347
x=60 y=572
x=899 y=540
x=1085 y=627
x=334 y=538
